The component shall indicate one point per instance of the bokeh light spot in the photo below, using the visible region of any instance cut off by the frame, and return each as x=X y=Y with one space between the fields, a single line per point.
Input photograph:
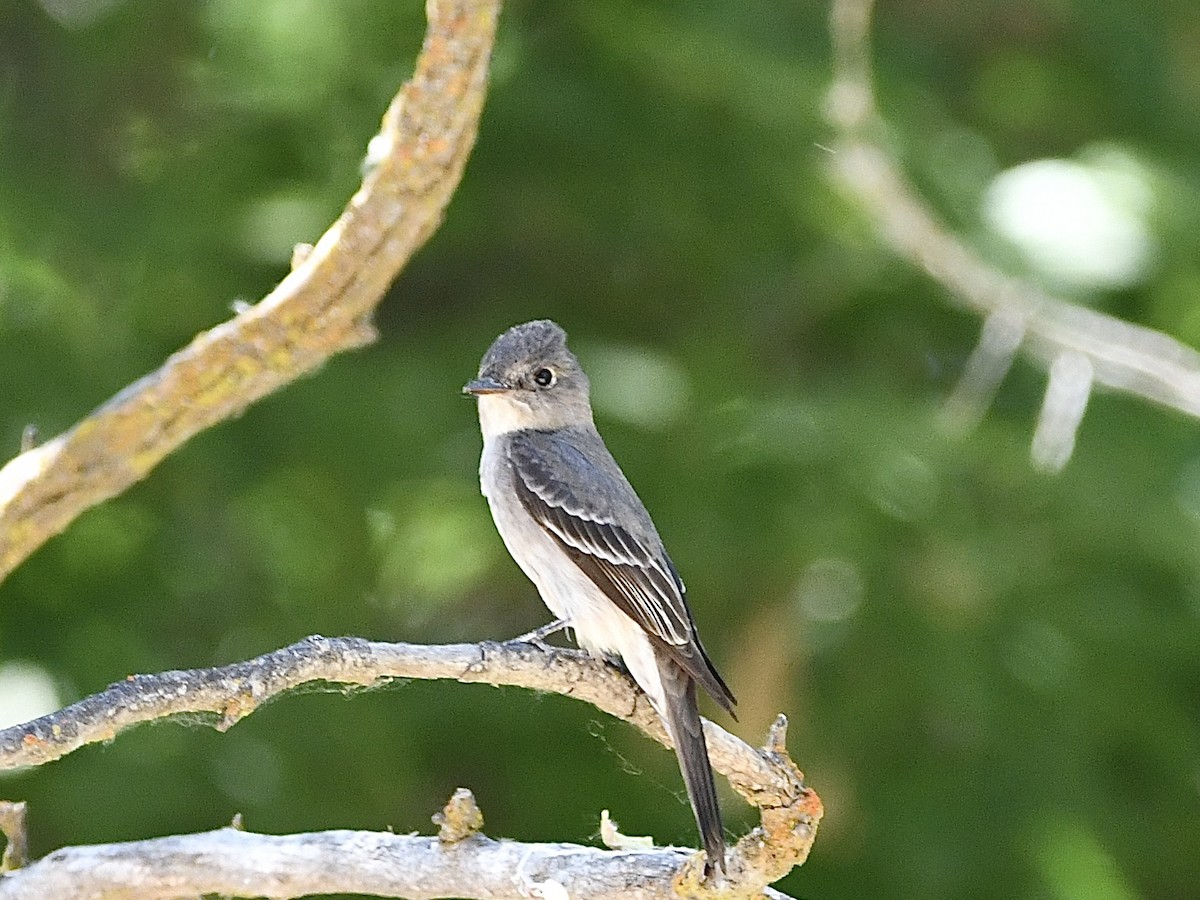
x=27 y=691
x=1079 y=224
x=641 y=387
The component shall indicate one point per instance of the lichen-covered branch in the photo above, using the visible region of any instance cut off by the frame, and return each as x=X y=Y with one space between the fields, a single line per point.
x=1120 y=355
x=322 y=307
x=767 y=778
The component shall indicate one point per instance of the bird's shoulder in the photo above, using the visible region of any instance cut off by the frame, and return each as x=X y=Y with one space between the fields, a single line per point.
x=572 y=468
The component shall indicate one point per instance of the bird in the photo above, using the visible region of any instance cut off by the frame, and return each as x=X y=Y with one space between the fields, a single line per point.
x=573 y=523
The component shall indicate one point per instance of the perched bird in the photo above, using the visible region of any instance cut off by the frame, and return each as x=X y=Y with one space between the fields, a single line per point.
x=576 y=527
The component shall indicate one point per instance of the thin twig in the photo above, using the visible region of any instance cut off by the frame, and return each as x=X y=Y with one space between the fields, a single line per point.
x=12 y=826
x=323 y=307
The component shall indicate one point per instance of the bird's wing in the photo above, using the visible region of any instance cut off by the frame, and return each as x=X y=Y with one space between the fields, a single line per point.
x=628 y=564
x=637 y=577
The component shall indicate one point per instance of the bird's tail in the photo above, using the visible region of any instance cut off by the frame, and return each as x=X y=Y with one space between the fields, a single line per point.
x=682 y=716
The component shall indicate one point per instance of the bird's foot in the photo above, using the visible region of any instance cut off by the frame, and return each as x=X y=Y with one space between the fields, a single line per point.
x=538 y=636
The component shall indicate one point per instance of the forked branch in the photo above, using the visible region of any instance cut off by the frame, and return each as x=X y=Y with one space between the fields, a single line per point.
x=1080 y=347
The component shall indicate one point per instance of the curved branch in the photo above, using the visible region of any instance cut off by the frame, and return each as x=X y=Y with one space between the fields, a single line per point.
x=323 y=307
x=1123 y=356
x=767 y=778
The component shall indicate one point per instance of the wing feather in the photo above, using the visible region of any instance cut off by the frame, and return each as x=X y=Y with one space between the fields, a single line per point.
x=632 y=569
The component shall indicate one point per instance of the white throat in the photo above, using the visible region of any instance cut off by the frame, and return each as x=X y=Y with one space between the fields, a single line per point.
x=501 y=413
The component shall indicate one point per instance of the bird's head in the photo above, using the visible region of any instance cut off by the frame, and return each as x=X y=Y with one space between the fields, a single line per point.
x=529 y=379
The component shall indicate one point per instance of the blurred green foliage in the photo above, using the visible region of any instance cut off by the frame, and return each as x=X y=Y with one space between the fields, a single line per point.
x=993 y=676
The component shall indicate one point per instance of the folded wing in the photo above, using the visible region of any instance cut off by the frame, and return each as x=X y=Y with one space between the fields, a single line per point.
x=627 y=562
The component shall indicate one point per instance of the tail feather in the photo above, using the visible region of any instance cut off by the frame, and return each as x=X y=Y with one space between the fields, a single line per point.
x=682 y=716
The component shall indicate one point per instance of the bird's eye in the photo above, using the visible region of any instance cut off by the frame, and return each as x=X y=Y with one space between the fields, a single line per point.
x=544 y=377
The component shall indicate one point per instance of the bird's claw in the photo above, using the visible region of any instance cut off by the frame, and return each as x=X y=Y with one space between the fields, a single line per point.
x=538 y=636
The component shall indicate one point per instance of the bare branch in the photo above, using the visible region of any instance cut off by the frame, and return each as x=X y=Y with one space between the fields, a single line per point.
x=323 y=307
x=1122 y=356
x=767 y=778
x=231 y=692
x=233 y=863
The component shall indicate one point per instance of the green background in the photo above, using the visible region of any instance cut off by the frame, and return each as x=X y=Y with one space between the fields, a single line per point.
x=993 y=675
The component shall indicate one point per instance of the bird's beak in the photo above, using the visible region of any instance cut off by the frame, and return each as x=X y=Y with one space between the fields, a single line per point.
x=482 y=386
